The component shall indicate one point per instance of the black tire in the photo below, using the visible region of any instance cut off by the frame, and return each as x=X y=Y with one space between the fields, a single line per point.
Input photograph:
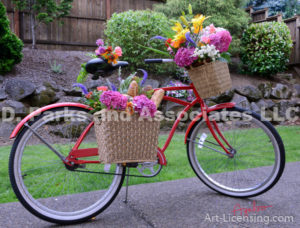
x=31 y=204
x=210 y=179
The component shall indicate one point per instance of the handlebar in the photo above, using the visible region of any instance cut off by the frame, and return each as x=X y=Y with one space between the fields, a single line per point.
x=148 y=61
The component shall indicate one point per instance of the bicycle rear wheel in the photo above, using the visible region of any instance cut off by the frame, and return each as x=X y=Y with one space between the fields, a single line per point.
x=46 y=186
x=258 y=160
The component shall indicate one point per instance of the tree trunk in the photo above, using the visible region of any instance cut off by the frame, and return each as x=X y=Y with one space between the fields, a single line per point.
x=33 y=29
x=33 y=23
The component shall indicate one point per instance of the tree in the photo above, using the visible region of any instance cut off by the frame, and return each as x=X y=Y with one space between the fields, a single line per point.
x=10 y=45
x=43 y=11
x=288 y=8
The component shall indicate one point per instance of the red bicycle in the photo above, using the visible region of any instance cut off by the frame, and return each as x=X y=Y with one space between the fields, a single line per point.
x=54 y=158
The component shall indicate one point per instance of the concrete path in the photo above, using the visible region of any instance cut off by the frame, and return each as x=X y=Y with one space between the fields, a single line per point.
x=184 y=203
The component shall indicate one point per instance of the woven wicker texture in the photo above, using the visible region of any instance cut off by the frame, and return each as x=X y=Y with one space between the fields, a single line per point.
x=211 y=79
x=126 y=141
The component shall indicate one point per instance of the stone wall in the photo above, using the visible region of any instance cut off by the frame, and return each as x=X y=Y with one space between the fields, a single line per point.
x=268 y=99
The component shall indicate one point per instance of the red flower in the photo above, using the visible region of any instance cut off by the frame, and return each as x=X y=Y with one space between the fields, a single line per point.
x=88 y=96
x=109 y=49
x=168 y=42
x=102 y=88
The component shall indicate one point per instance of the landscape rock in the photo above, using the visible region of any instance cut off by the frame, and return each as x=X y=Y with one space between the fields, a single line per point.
x=71 y=99
x=281 y=91
x=53 y=86
x=241 y=101
x=297 y=90
x=93 y=84
x=43 y=96
x=17 y=107
x=1 y=79
x=254 y=107
x=3 y=95
x=74 y=92
x=6 y=129
x=266 y=104
x=18 y=89
x=251 y=92
x=266 y=89
x=283 y=107
x=152 y=82
x=224 y=97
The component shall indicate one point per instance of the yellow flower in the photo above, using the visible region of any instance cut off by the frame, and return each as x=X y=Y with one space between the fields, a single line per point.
x=178 y=27
x=179 y=38
x=198 y=23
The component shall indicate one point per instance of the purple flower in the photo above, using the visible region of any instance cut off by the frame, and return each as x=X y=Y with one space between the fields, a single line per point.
x=100 y=42
x=82 y=87
x=158 y=38
x=100 y=50
x=189 y=39
x=184 y=57
x=221 y=40
x=144 y=77
x=144 y=106
x=114 y=99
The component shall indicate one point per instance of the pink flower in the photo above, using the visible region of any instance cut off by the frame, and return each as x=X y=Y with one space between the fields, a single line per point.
x=212 y=29
x=100 y=42
x=114 y=99
x=118 y=51
x=144 y=106
x=221 y=40
x=184 y=57
x=205 y=39
x=100 y=51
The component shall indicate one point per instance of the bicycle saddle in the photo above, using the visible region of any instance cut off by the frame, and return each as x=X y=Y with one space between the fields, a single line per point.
x=99 y=66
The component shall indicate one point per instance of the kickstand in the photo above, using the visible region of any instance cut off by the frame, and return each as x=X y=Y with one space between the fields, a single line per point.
x=126 y=193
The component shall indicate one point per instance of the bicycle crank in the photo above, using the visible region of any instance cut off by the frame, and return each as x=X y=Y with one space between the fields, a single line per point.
x=149 y=169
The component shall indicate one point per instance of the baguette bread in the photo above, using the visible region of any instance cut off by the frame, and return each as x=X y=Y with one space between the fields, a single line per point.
x=157 y=97
x=133 y=89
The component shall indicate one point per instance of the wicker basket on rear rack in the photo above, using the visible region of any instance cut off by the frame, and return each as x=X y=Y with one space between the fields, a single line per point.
x=211 y=79
x=123 y=141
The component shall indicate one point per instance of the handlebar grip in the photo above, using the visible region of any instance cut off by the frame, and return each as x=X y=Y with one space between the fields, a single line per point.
x=153 y=61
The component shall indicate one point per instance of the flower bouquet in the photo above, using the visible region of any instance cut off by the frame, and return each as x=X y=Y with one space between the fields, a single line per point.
x=202 y=52
x=125 y=124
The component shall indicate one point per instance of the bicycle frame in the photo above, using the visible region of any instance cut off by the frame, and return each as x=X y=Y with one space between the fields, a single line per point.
x=77 y=153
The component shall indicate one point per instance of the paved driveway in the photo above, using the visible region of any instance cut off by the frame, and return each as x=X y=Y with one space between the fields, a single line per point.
x=184 y=203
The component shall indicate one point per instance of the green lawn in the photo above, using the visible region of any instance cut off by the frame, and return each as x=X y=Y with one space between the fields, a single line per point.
x=178 y=166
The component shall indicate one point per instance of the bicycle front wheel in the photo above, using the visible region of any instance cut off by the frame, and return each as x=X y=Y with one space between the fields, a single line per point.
x=258 y=160
x=49 y=188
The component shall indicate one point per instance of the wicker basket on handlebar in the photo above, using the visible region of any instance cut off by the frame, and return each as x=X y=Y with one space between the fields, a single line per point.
x=124 y=138
x=211 y=79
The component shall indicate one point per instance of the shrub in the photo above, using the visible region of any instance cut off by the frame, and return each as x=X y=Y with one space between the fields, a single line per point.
x=228 y=14
x=10 y=45
x=132 y=30
x=266 y=48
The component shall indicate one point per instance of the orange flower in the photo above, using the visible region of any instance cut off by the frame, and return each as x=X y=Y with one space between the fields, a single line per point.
x=102 y=88
x=129 y=108
x=113 y=58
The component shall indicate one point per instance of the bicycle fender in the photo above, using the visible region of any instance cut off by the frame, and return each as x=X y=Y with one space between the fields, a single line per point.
x=210 y=109
x=43 y=109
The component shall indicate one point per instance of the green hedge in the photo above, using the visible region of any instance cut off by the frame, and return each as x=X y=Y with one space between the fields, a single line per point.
x=266 y=48
x=10 y=45
x=132 y=30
